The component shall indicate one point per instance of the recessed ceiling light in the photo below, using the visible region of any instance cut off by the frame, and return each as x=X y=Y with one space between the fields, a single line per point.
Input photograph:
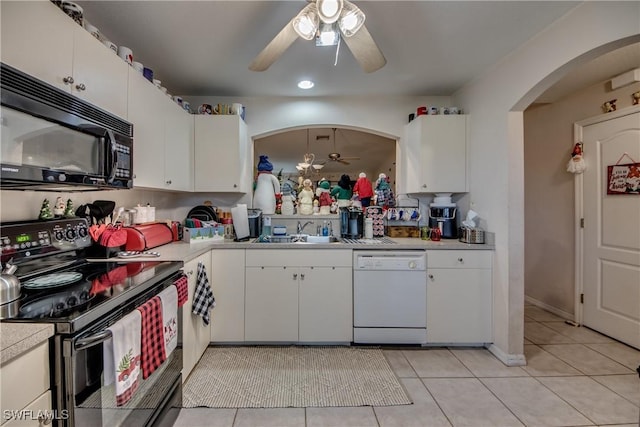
x=305 y=84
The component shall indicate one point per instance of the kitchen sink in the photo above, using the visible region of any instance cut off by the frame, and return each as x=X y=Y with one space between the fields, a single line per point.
x=298 y=238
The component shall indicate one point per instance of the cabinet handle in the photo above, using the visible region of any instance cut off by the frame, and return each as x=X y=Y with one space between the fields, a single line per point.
x=81 y=87
x=68 y=80
x=169 y=182
x=190 y=272
x=44 y=419
x=424 y=185
x=235 y=185
x=302 y=276
x=295 y=276
x=430 y=276
x=460 y=260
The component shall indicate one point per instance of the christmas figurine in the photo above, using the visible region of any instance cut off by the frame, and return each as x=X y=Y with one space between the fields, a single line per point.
x=58 y=209
x=342 y=191
x=363 y=189
x=576 y=163
x=324 y=198
x=45 y=210
x=69 y=211
x=384 y=194
x=267 y=187
x=305 y=198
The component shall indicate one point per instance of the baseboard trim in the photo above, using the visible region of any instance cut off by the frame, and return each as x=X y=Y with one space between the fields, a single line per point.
x=507 y=358
x=549 y=308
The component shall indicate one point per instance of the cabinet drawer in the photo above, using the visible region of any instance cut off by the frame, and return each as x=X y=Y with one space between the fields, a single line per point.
x=458 y=259
x=41 y=406
x=303 y=257
x=25 y=378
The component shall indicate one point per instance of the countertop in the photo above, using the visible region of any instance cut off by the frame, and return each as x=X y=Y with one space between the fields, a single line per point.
x=17 y=338
x=182 y=251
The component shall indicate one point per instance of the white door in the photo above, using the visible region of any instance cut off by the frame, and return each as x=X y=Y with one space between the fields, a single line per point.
x=611 y=241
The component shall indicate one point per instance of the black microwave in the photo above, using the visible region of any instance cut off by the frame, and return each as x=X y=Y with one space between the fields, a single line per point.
x=54 y=141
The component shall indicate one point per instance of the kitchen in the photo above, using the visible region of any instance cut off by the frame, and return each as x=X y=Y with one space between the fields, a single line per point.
x=488 y=144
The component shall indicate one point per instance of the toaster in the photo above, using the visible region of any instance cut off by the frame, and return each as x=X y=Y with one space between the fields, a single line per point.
x=146 y=236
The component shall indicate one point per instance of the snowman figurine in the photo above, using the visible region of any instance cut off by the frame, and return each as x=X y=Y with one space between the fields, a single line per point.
x=267 y=187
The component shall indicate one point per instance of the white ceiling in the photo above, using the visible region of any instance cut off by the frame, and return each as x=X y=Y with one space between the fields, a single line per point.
x=432 y=48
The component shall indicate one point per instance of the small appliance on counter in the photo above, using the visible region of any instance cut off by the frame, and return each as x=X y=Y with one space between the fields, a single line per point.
x=351 y=223
x=443 y=215
x=255 y=222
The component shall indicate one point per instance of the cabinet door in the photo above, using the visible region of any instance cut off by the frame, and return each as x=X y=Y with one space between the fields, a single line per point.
x=37 y=38
x=100 y=76
x=325 y=305
x=221 y=154
x=145 y=108
x=459 y=305
x=436 y=154
x=40 y=407
x=271 y=304
x=227 y=280
x=195 y=334
x=178 y=144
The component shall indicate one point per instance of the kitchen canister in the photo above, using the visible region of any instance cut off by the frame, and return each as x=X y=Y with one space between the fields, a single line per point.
x=368 y=228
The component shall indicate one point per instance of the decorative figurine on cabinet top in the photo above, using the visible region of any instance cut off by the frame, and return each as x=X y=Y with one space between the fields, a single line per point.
x=363 y=189
x=305 y=198
x=324 y=198
x=383 y=193
x=342 y=192
x=267 y=187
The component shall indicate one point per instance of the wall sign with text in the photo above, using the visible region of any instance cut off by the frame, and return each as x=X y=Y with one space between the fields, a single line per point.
x=623 y=179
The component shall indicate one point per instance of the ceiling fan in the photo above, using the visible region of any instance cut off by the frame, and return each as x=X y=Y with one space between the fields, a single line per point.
x=345 y=20
x=335 y=156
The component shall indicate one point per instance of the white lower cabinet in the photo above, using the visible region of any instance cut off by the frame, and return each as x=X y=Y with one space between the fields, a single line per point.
x=195 y=334
x=227 y=281
x=25 y=386
x=298 y=296
x=459 y=298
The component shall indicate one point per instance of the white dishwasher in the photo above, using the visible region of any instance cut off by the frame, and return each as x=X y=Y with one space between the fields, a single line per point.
x=390 y=297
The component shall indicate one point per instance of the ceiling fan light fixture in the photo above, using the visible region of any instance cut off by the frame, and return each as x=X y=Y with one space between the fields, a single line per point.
x=329 y=10
x=328 y=35
x=306 y=22
x=318 y=166
x=351 y=19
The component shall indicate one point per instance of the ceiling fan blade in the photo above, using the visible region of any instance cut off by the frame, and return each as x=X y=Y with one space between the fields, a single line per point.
x=344 y=162
x=275 y=48
x=365 y=50
x=349 y=158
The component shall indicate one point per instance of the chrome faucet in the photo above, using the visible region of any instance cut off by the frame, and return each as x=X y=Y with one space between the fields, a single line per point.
x=300 y=227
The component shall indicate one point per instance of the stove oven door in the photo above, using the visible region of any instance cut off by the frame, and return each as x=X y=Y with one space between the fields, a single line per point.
x=91 y=402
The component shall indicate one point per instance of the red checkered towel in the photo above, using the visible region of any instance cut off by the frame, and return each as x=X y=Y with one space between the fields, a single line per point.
x=152 y=340
x=183 y=290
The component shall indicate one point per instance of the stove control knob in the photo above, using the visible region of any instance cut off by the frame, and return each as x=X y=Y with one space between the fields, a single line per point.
x=70 y=234
x=58 y=234
x=82 y=232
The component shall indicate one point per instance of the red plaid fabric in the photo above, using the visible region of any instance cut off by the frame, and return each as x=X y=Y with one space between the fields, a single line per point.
x=152 y=340
x=183 y=290
x=123 y=398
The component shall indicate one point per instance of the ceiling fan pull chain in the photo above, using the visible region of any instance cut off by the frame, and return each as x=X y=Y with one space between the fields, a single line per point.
x=337 y=51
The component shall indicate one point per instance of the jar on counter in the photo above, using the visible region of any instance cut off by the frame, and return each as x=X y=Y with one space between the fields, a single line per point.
x=424 y=233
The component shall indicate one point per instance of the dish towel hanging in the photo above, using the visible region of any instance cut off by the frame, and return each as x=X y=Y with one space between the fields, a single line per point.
x=203 y=299
x=121 y=355
x=182 y=284
x=169 y=299
x=152 y=339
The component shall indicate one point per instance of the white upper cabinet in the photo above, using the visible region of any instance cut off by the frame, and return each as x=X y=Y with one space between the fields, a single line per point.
x=434 y=154
x=163 y=138
x=40 y=40
x=222 y=154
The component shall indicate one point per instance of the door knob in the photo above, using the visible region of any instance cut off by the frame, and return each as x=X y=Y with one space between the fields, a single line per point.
x=68 y=80
x=81 y=87
x=295 y=276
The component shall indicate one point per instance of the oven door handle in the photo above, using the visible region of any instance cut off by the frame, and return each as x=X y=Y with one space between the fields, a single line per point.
x=92 y=340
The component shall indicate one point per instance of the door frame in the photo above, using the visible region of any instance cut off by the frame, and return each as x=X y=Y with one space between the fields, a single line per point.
x=578 y=184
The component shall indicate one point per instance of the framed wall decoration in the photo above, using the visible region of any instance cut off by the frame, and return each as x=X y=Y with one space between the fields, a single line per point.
x=623 y=178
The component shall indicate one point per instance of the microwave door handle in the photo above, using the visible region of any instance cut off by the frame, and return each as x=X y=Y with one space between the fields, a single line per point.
x=92 y=340
x=114 y=156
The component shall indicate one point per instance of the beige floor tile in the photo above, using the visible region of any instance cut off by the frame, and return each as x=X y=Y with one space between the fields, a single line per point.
x=538 y=333
x=484 y=364
x=205 y=417
x=595 y=401
x=578 y=333
x=341 y=417
x=423 y=412
x=586 y=360
x=541 y=315
x=533 y=403
x=621 y=353
x=467 y=402
x=627 y=386
x=544 y=364
x=399 y=364
x=436 y=363
x=270 y=417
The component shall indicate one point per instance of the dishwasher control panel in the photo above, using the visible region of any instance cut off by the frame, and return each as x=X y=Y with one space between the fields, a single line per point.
x=390 y=260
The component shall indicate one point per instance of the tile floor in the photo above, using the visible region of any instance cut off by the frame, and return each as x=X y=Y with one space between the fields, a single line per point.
x=574 y=377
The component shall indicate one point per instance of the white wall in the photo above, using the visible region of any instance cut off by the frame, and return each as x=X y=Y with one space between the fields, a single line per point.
x=495 y=102
x=549 y=192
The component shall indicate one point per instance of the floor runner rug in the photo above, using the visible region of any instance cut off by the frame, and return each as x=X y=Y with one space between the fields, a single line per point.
x=295 y=376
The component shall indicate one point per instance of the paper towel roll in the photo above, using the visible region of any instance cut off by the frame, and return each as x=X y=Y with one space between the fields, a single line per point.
x=240 y=221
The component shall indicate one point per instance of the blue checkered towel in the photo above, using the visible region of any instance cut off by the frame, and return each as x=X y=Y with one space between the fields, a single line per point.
x=203 y=299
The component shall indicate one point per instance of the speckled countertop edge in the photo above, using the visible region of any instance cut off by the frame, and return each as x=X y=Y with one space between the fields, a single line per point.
x=18 y=338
